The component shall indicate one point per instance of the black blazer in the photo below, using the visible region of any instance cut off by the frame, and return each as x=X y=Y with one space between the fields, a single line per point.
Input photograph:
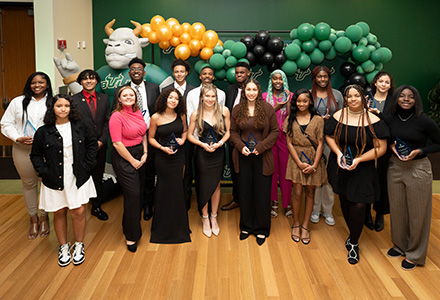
x=102 y=115
x=231 y=94
x=152 y=90
x=189 y=87
x=47 y=154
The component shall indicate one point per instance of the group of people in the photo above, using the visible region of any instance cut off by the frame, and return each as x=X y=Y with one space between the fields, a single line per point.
x=368 y=149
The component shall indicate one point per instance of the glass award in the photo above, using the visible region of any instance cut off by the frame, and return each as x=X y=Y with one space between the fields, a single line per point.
x=371 y=101
x=29 y=129
x=251 y=143
x=348 y=157
x=402 y=149
x=282 y=97
x=322 y=108
x=303 y=158
x=172 y=143
x=210 y=138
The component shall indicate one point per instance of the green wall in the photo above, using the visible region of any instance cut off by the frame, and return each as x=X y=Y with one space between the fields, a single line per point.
x=408 y=28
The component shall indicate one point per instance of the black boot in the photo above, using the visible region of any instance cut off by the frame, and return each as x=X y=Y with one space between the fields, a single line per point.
x=379 y=224
x=369 y=220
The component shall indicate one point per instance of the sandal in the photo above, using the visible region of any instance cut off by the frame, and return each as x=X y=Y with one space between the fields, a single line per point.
x=44 y=226
x=274 y=211
x=295 y=237
x=288 y=211
x=33 y=229
x=306 y=240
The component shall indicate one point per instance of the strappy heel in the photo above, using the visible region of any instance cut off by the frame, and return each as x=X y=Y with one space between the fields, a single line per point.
x=274 y=211
x=306 y=240
x=295 y=238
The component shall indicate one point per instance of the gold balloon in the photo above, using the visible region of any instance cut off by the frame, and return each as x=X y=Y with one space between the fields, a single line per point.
x=206 y=53
x=174 y=41
x=146 y=29
x=219 y=43
x=195 y=53
x=171 y=22
x=154 y=39
x=164 y=45
x=197 y=30
x=156 y=22
x=186 y=27
x=210 y=38
x=185 y=38
x=164 y=33
x=194 y=45
x=177 y=30
x=182 y=51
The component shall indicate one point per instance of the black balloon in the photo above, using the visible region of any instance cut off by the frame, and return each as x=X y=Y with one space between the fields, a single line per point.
x=259 y=51
x=267 y=58
x=250 y=56
x=262 y=37
x=280 y=59
x=342 y=89
x=347 y=69
x=272 y=67
x=367 y=90
x=275 y=45
x=359 y=79
x=346 y=81
x=249 y=41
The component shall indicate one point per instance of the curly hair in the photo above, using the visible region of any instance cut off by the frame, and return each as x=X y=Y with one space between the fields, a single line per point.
x=243 y=111
x=88 y=73
x=27 y=93
x=360 y=132
x=376 y=78
x=161 y=102
x=119 y=105
x=294 y=108
x=330 y=96
x=219 y=125
x=74 y=114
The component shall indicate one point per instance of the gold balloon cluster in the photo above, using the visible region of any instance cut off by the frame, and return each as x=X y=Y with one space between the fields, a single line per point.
x=188 y=40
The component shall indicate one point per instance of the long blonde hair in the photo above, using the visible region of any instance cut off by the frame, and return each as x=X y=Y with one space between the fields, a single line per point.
x=218 y=125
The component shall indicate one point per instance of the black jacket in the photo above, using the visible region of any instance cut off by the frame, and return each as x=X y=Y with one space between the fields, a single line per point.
x=47 y=154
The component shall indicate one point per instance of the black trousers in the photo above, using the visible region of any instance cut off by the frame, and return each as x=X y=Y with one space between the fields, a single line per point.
x=131 y=181
x=188 y=174
x=97 y=174
x=150 y=178
x=254 y=190
x=234 y=176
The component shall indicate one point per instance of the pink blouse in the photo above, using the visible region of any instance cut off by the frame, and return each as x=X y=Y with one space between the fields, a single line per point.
x=127 y=127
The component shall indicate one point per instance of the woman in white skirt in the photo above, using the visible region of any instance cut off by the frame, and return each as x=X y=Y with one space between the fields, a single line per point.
x=63 y=154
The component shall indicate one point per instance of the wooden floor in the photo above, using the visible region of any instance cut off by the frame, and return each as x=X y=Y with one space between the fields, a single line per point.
x=217 y=268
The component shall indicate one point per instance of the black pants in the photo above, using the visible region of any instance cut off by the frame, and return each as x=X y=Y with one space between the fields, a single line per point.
x=254 y=195
x=131 y=181
x=188 y=175
x=234 y=176
x=97 y=174
x=150 y=178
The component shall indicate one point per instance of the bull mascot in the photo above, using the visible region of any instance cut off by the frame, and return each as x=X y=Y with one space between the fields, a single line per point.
x=123 y=44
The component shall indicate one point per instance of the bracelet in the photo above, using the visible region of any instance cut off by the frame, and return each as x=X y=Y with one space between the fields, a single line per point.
x=221 y=143
x=145 y=152
x=160 y=148
x=314 y=170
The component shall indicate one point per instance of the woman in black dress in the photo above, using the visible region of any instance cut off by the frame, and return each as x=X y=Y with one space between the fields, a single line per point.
x=357 y=138
x=167 y=133
x=210 y=122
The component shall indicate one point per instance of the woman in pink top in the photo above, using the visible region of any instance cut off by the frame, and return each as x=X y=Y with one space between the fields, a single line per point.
x=127 y=130
x=278 y=96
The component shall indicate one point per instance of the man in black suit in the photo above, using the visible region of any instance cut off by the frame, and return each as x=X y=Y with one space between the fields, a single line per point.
x=95 y=110
x=233 y=95
x=181 y=69
x=147 y=94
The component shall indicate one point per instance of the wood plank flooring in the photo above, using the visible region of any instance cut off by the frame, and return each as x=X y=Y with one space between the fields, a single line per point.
x=220 y=267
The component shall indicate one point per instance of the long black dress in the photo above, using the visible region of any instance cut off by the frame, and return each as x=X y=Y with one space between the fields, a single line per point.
x=361 y=184
x=209 y=167
x=170 y=219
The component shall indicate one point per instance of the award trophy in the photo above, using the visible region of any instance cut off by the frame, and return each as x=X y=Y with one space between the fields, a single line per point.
x=371 y=101
x=210 y=138
x=172 y=143
x=282 y=97
x=322 y=108
x=251 y=143
x=29 y=129
x=402 y=149
x=303 y=158
x=348 y=158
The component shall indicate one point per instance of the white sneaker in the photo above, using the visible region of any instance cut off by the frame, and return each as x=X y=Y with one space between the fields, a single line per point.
x=78 y=253
x=64 y=256
x=314 y=218
x=329 y=218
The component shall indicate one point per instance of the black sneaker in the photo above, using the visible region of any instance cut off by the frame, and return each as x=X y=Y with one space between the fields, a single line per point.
x=393 y=253
x=78 y=253
x=408 y=266
x=64 y=256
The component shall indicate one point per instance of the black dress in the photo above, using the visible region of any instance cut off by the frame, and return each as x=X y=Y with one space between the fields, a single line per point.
x=361 y=184
x=170 y=219
x=209 y=167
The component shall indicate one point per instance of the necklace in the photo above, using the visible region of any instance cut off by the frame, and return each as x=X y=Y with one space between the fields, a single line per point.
x=167 y=117
x=355 y=113
x=404 y=120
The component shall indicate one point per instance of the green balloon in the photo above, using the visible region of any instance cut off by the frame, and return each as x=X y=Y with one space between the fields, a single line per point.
x=377 y=45
x=386 y=53
x=315 y=42
x=305 y=32
x=363 y=42
x=217 y=61
x=289 y=67
x=379 y=66
x=218 y=49
x=368 y=66
x=228 y=44
x=239 y=50
x=308 y=46
x=226 y=53
x=220 y=74
x=244 y=60
x=377 y=56
x=365 y=28
x=332 y=31
x=370 y=76
x=294 y=34
x=340 y=33
x=324 y=46
x=372 y=39
x=353 y=46
x=231 y=61
x=371 y=48
x=198 y=66
x=354 y=33
x=361 y=53
x=360 y=70
x=322 y=31
x=298 y=42
x=292 y=51
x=332 y=38
x=303 y=61
x=230 y=75
x=331 y=54
x=343 y=44
x=317 y=57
